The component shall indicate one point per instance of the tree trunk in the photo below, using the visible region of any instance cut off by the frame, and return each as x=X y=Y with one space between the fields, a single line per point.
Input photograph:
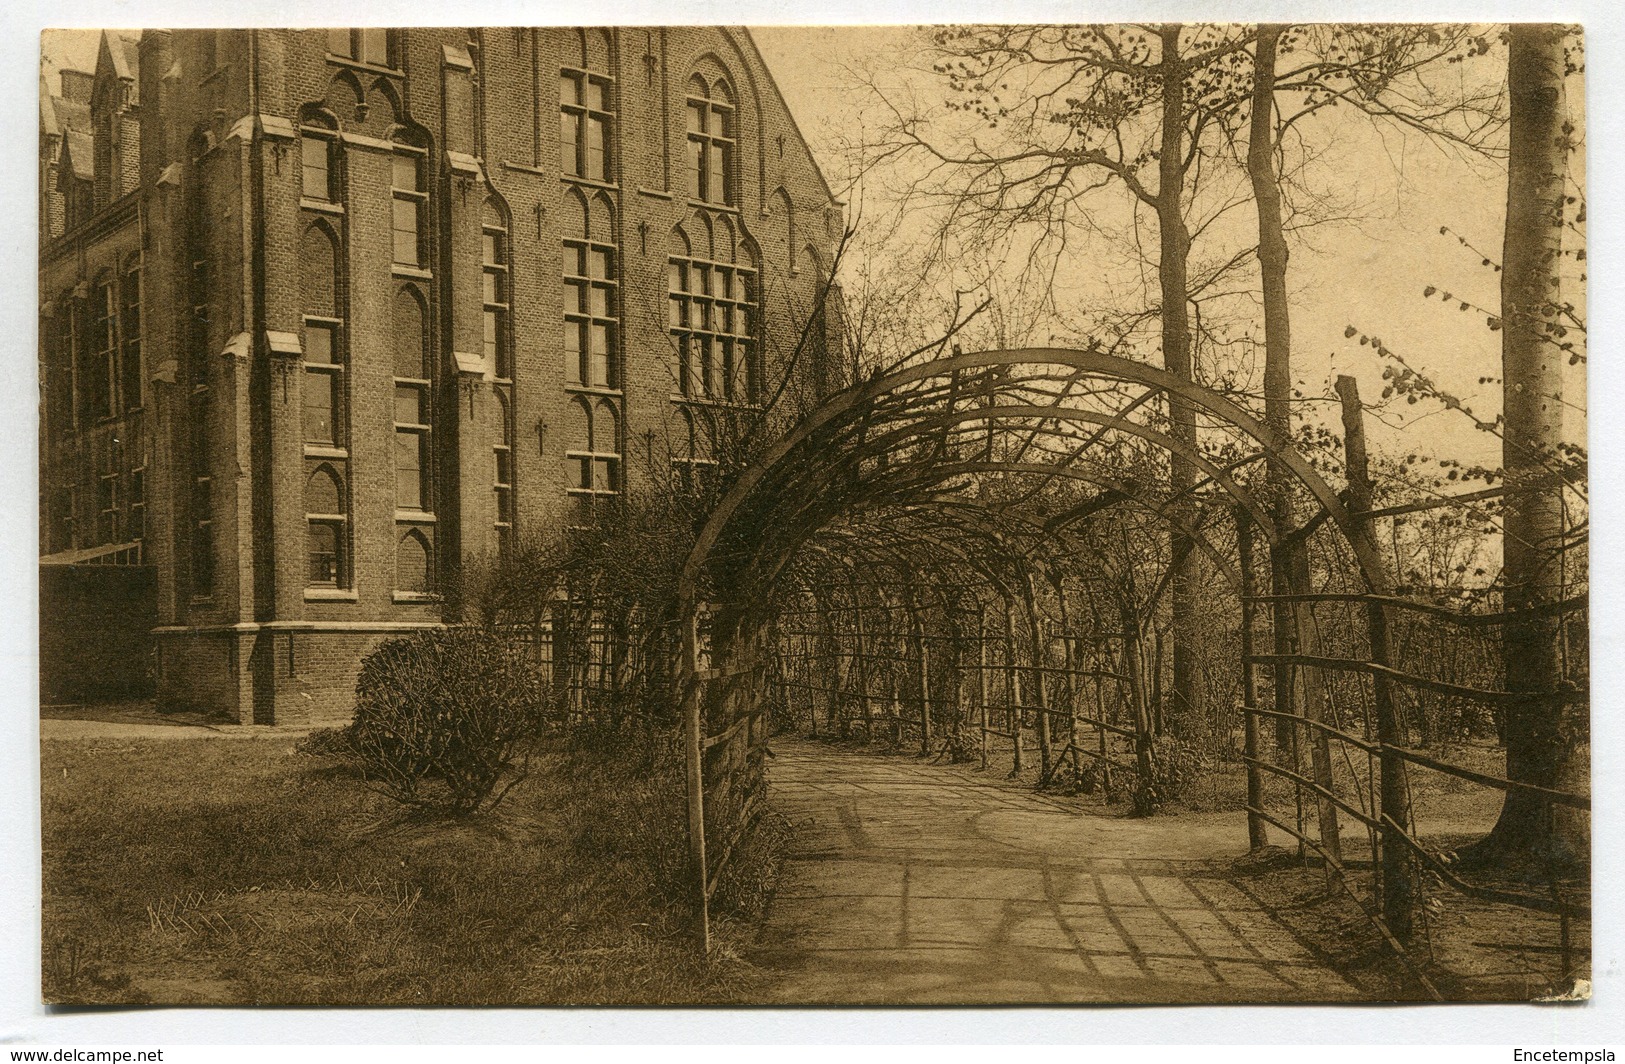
x=1185 y=705
x=1544 y=746
x=1272 y=264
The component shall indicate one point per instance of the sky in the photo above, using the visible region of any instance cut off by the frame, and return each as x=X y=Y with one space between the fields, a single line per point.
x=1599 y=1022
x=1371 y=275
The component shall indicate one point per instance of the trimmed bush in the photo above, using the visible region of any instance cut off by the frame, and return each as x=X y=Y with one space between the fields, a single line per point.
x=444 y=720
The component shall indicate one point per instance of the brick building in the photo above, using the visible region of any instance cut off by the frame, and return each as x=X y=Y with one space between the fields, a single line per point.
x=328 y=313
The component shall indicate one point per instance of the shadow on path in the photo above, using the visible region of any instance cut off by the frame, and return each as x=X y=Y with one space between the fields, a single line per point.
x=912 y=883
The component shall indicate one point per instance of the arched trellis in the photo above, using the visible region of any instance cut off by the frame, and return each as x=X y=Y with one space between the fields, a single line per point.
x=887 y=442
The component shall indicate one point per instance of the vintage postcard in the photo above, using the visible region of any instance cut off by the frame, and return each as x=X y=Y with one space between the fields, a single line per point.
x=959 y=514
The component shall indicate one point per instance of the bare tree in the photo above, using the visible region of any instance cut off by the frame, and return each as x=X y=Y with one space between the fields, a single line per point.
x=1544 y=746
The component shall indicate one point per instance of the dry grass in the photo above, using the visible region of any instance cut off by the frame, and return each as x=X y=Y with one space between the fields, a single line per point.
x=200 y=871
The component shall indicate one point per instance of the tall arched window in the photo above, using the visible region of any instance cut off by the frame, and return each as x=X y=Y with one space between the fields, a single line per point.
x=413 y=429
x=412 y=412
x=691 y=458
x=102 y=378
x=323 y=390
x=130 y=368
x=711 y=140
x=498 y=355
x=594 y=459
x=590 y=304
x=586 y=108
x=324 y=358
x=711 y=283
x=326 y=540
x=409 y=192
x=318 y=144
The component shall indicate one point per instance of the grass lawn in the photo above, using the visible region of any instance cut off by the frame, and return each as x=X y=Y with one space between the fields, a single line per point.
x=204 y=871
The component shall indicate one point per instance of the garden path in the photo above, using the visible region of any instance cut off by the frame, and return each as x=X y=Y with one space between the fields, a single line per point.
x=916 y=883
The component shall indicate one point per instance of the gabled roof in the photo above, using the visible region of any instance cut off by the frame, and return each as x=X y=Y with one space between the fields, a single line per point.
x=119 y=58
x=125 y=53
x=76 y=84
x=79 y=153
x=47 y=112
x=70 y=115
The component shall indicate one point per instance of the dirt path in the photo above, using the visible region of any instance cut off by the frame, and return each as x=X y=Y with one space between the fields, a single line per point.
x=912 y=883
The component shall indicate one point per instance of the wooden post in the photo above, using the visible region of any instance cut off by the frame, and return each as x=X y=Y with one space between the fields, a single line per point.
x=1106 y=782
x=1012 y=682
x=923 y=660
x=1035 y=646
x=1257 y=833
x=804 y=676
x=696 y=781
x=981 y=677
x=861 y=662
x=1397 y=885
x=1069 y=662
x=1314 y=708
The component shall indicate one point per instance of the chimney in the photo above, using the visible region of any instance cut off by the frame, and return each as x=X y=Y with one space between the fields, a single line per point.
x=157 y=51
x=76 y=86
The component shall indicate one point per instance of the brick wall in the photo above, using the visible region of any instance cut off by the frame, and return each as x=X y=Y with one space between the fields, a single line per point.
x=484 y=105
x=95 y=625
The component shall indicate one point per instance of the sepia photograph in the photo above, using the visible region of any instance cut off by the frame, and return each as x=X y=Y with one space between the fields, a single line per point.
x=958 y=514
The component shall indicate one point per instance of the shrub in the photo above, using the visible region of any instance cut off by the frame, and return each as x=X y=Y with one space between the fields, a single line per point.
x=441 y=718
x=1176 y=765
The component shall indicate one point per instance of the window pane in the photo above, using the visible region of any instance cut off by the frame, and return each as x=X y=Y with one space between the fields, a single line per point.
x=324 y=553
x=675 y=307
x=597 y=149
x=572 y=351
x=603 y=263
x=696 y=117
x=569 y=89
x=375 y=46
x=406 y=232
x=597 y=95
x=676 y=277
x=600 y=356
x=715 y=168
x=696 y=175
x=688 y=351
x=492 y=247
x=408 y=404
x=504 y=462
x=409 y=470
x=491 y=335
x=713 y=367
x=313 y=152
x=320 y=402
x=493 y=287
x=603 y=474
x=406 y=173
x=569 y=127
x=580 y=472
x=723 y=172
x=600 y=301
x=319 y=345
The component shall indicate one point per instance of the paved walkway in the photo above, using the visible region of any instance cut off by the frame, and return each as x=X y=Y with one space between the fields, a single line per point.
x=912 y=883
